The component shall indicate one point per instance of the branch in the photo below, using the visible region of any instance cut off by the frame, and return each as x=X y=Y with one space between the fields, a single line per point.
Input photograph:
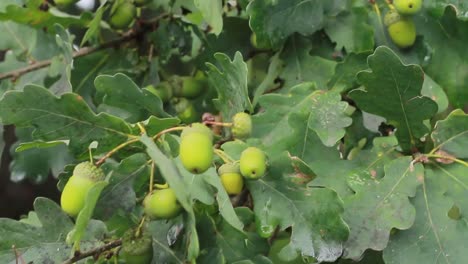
x=94 y=252
x=79 y=53
x=132 y=34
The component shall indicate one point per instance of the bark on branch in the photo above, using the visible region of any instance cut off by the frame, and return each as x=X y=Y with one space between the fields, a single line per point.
x=94 y=252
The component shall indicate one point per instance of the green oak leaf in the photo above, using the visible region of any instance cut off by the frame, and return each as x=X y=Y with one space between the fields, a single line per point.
x=351 y=30
x=451 y=134
x=62 y=64
x=438 y=6
x=299 y=66
x=84 y=217
x=393 y=91
x=119 y=195
x=175 y=179
x=94 y=25
x=314 y=214
x=274 y=69
x=41 y=237
x=327 y=117
x=163 y=251
x=207 y=187
x=154 y=125
x=434 y=91
x=212 y=11
x=382 y=204
x=274 y=21
x=35 y=160
x=343 y=176
x=107 y=62
x=272 y=125
x=230 y=80
x=282 y=197
x=180 y=40
x=448 y=64
x=434 y=237
x=234 y=38
x=20 y=39
x=219 y=239
x=357 y=137
x=133 y=104
x=345 y=71
x=225 y=206
x=34 y=17
x=371 y=162
x=455 y=182
x=67 y=117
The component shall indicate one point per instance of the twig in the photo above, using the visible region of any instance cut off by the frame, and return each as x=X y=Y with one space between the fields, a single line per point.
x=225 y=157
x=130 y=35
x=18 y=256
x=444 y=157
x=158 y=135
x=114 y=150
x=93 y=252
x=79 y=53
x=214 y=123
x=151 y=177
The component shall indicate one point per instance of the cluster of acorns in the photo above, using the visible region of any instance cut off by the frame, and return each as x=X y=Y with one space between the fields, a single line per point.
x=122 y=13
x=196 y=154
x=180 y=90
x=400 y=24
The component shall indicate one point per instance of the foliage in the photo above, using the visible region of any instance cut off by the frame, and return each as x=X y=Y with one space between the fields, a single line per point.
x=366 y=143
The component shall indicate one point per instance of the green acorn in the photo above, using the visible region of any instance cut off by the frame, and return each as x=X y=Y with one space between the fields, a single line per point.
x=407 y=7
x=252 y=163
x=401 y=30
x=187 y=86
x=231 y=178
x=162 y=204
x=196 y=148
x=163 y=90
x=123 y=15
x=185 y=110
x=73 y=197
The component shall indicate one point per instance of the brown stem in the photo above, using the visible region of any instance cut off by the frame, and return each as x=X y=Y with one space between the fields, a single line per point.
x=114 y=150
x=130 y=35
x=94 y=252
x=79 y=53
x=240 y=199
x=214 y=123
x=158 y=135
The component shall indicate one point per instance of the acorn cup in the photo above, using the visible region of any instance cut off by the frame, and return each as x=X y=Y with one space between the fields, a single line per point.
x=136 y=250
x=232 y=180
x=401 y=30
x=73 y=197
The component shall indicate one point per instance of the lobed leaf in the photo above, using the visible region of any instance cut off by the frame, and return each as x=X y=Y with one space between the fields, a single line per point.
x=393 y=91
x=66 y=117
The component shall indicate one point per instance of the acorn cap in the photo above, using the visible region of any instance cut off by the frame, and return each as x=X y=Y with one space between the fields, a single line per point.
x=241 y=125
x=197 y=128
x=88 y=170
x=136 y=246
x=391 y=17
x=229 y=168
x=180 y=104
x=176 y=82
